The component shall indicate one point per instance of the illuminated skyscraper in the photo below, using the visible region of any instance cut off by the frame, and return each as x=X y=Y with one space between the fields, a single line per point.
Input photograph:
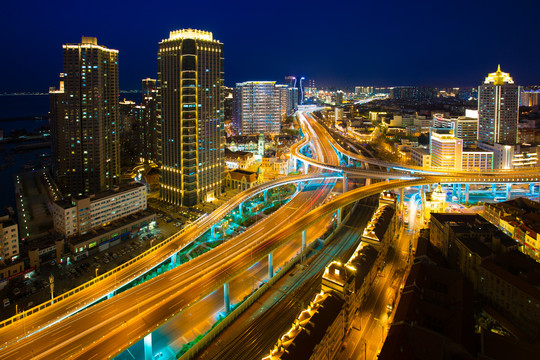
x=190 y=64
x=498 y=104
x=84 y=114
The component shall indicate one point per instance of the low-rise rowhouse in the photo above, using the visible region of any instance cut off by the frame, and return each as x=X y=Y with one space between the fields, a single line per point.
x=80 y=214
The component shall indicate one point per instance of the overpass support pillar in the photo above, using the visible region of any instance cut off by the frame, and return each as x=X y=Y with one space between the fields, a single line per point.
x=110 y=295
x=271 y=265
x=467 y=193
x=401 y=195
x=295 y=164
x=266 y=195
x=148 y=353
x=213 y=232
x=173 y=259
x=240 y=209
x=531 y=188
x=345 y=181
x=368 y=182
x=303 y=240
x=494 y=189
x=339 y=216
x=508 y=191
x=459 y=192
x=226 y=297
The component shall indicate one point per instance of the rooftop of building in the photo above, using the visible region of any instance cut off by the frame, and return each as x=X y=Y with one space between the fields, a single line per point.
x=499 y=78
x=517 y=207
x=310 y=327
x=475 y=150
x=237 y=154
x=411 y=341
x=516 y=269
x=7 y=221
x=437 y=299
x=420 y=150
x=116 y=224
x=379 y=223
x=66 y=203
x=239 y=174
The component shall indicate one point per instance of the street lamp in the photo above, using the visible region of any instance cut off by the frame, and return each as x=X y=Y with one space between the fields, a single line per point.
x=51 y=282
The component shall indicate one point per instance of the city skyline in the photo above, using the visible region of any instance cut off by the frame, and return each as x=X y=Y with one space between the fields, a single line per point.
x=368 y=47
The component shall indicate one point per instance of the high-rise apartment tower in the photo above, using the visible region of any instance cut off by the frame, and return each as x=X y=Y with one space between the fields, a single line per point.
x=498 y=109
x=190 y=71
x=84 y=117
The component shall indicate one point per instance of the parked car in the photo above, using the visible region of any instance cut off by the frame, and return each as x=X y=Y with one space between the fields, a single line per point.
x=6 y=302
x=16 y=292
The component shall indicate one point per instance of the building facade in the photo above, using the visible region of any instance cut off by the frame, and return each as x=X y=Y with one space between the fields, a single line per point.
x=81 y=214
x=191 y=75
x=465 y=128
x=446 y=151
x=498 y=109
x=9 y=239
x=258 y=107
x=84 y=119
x=150 y=122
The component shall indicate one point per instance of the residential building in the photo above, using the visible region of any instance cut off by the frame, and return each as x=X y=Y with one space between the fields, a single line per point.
x=84 y=119
x=476 y=160
x=258 y=107
x=530 y=98
x=520 y=219
x=129 y=131
x=9 y=239
x=191 y=72
x=446 y=150
x=466 y=240
x=511 y=284
x=434 y=318
x=81 y=214
x=421 y=157
x=150 y=122
x=464 y=128
x=513 y=156
x=498 y=109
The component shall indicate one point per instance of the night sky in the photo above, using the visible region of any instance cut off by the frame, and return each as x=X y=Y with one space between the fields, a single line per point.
x=430 y=43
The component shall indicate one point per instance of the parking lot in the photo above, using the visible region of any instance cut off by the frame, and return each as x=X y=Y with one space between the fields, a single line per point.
x=29 y=292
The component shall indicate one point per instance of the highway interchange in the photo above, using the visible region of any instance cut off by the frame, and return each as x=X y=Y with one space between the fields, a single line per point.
x=110 y=326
